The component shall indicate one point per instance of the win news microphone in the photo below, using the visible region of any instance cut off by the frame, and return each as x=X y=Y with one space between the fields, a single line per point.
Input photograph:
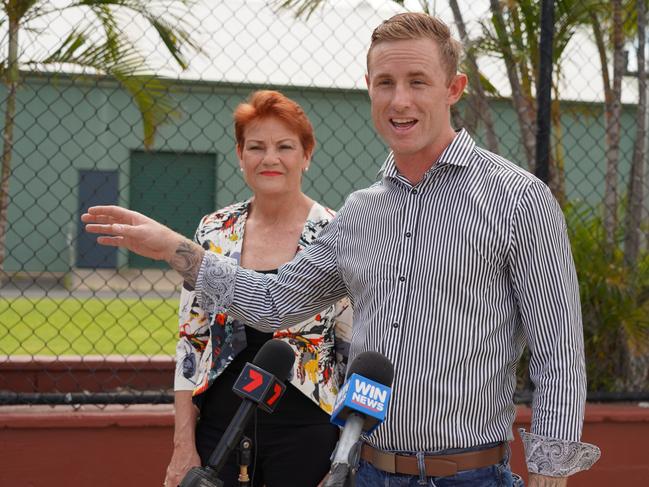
x=260 y=384
x=360 y=407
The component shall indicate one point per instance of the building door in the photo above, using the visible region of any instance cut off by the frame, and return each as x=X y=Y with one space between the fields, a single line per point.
x=95 y=188
x=176 y=189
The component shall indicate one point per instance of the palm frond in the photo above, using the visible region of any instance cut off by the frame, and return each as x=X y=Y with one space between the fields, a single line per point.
x=168 y=26
x=151 y=95
x=172 y=39
x=18 y=9
x=303 y=8
x=123 y=62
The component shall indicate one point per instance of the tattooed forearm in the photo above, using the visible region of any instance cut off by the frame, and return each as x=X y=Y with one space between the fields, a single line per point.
x=186 y=260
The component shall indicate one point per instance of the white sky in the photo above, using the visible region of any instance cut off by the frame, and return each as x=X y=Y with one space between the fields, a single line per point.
x=248 y=41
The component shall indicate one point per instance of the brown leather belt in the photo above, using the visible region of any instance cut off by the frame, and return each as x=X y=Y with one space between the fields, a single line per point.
x=436 y=465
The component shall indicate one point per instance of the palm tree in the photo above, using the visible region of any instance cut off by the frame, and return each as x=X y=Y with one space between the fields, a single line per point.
x=113 y=55
x=477 y=109
x=501 y=42
x=477 y=98
x=635 y=194
x=612 y=103
x=513 y=34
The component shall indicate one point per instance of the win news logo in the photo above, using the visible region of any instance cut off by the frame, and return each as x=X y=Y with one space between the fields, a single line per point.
x=363 y=396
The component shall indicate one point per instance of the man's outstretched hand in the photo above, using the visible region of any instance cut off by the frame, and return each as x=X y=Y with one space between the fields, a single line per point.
x=120 y=227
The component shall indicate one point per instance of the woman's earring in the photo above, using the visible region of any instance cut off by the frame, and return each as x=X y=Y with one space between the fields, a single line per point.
x=305 y=169
x=240 y=169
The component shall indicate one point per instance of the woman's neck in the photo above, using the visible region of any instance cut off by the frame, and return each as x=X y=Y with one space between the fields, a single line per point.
x=273 y=207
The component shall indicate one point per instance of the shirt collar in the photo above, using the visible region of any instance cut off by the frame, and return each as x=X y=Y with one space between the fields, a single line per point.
x=457 y=153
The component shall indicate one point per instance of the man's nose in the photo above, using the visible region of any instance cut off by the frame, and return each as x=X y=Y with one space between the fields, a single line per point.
x=401 y=99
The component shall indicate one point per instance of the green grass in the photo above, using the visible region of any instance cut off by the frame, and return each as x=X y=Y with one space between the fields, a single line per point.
x=92 y=326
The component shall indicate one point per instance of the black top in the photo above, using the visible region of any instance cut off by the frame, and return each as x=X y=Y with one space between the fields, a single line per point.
x=219 y=403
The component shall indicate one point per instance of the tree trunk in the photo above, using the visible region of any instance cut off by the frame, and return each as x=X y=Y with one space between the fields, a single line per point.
x=636 y=179
x=637 y=355
x=613 y=120
x=557 y=178
x=524 y=108
x=478 y=102
x=11 y=80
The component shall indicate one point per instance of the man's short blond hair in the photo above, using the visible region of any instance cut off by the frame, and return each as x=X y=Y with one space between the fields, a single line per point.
x=415 y=25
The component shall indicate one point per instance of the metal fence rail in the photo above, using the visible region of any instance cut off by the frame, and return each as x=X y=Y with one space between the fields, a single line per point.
x=108 y=104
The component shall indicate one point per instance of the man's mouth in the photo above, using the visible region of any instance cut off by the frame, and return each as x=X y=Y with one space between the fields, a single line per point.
x=403 y=123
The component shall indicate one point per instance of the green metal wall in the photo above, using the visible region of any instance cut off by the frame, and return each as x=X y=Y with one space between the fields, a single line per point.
x=64 y=125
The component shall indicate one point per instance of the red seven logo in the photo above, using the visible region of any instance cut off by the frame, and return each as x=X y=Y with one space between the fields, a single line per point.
x=256 y=380
x=277 y=390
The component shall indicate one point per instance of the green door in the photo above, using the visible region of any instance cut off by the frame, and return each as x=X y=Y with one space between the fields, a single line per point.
x=176 y=189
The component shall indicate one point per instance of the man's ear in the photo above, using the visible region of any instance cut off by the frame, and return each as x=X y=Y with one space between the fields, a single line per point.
x=456 y=88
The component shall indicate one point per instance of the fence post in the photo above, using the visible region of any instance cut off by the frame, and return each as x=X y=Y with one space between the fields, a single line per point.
x=544 y=92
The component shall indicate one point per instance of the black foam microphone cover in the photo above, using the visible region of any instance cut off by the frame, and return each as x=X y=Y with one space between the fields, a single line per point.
x=374 y=366
x=276 y=357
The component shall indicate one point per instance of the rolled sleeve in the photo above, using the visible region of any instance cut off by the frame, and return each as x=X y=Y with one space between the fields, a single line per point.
x=555 y=457
x=215 y=282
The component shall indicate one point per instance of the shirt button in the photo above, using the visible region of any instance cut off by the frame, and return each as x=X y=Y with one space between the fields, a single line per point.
x=414 y=191
x=395 y=325
x=408 y=234
x=401 y=278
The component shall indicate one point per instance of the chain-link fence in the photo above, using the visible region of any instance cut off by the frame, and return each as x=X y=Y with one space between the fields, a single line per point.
x=131 y=103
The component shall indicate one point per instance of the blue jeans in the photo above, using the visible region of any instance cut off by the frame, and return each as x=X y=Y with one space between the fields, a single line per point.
x=499 y=475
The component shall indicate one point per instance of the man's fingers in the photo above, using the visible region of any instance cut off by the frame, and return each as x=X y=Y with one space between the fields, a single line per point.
x=112 y=211
x=88 y=218
x=110 y=229
x=111 y=241
x=116 y=229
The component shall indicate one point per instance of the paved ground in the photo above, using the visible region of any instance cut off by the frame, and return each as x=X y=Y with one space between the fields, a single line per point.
x=31 y=290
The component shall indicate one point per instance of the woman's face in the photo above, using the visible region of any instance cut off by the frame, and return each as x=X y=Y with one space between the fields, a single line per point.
x=272 y=157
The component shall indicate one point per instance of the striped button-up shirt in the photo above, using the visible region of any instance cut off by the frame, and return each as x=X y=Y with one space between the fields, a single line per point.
x=449 y=279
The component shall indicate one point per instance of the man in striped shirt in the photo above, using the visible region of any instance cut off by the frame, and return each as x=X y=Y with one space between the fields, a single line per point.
x=453 y=261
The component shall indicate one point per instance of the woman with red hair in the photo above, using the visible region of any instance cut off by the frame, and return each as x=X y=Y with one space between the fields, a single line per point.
x=292 y=446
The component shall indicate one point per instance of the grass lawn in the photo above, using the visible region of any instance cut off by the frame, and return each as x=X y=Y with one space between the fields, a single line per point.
x=92 y=326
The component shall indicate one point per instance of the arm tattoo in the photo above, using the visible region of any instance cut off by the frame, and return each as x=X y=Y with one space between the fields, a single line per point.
x=186 y=260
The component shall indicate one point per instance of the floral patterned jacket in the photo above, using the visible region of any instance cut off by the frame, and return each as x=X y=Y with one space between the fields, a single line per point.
x=207 y=344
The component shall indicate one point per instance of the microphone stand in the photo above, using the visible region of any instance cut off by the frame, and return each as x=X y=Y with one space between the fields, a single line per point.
x=208 y=476
x=243 y=454
x=343 y=473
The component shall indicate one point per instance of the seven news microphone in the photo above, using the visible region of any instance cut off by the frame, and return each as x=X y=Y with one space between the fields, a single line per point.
x=260 y=384
x=360 y=407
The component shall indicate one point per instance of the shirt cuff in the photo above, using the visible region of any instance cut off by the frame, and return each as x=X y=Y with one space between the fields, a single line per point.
x=183 y=384
x=215 y=283
x=557 y=458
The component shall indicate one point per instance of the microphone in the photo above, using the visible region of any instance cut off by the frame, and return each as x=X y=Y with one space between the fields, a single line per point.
x=260 y=384
x=360 y=407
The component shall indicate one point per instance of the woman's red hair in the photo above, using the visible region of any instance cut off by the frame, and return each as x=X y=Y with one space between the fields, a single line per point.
x=273 y=104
